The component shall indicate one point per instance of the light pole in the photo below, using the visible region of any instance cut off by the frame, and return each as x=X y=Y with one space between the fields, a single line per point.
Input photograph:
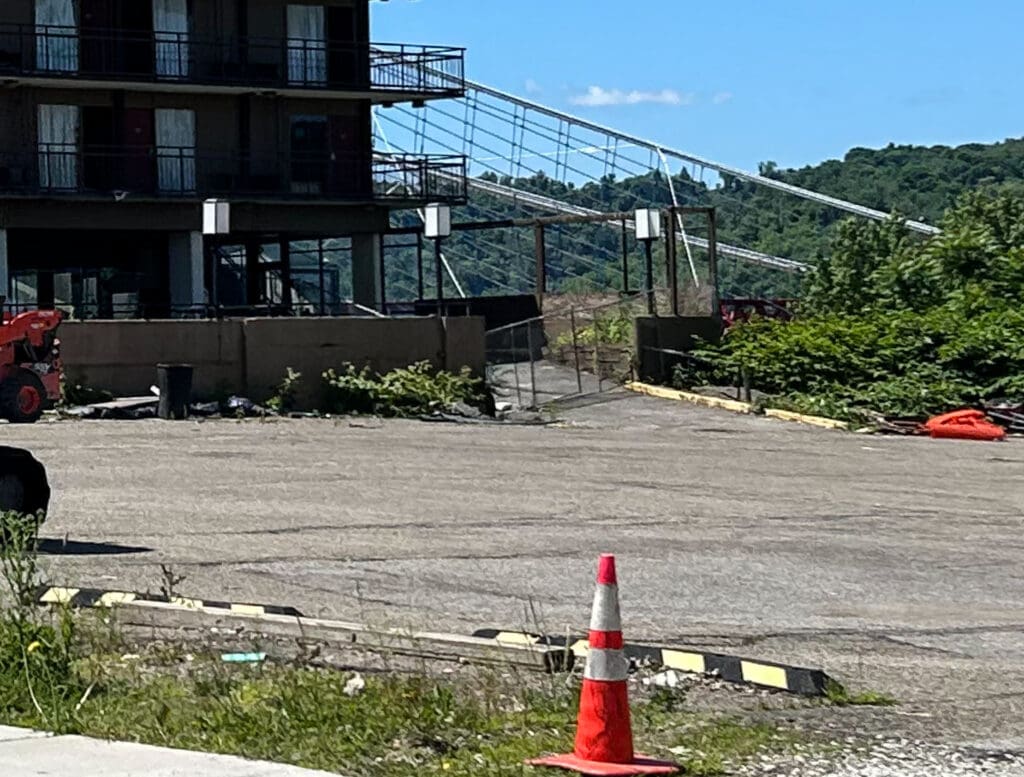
x=648 y=229
x=216 y=221
x=437 y=225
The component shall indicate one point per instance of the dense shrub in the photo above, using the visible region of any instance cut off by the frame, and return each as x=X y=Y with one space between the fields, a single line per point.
x=898 y=326
x=413 y=391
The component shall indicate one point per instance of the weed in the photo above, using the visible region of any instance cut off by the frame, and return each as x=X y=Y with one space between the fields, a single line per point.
x=169 y=582
x=38 y=682
x=283 y=400
x=838 y=694
x=416 y=390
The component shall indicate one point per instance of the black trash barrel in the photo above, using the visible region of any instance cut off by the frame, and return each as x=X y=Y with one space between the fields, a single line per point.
x=175 y=384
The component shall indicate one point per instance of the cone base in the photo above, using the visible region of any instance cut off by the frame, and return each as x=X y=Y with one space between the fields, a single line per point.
x=638 y=766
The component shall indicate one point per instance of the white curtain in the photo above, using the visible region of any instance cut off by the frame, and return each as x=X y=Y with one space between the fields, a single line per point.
x=56 y=35
x=307 y=44
x=176 y=150
x=170 y=28
x=58 y=147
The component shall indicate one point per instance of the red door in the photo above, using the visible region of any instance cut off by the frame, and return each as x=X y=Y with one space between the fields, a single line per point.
x=138 y=141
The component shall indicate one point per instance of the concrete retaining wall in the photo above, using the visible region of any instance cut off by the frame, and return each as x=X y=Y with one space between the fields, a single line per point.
x=250 y=357
x=121 y=356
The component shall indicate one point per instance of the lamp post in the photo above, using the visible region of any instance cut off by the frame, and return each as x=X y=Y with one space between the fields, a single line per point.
x=437 y=225
x=216 y=221
x=648 y=229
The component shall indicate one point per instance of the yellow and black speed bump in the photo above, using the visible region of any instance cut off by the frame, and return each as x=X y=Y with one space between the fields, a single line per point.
x=94 y=597
x=766 y=674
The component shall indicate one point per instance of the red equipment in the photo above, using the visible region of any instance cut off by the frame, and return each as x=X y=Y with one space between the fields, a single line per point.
x=965 y=425
x=736 y=309
x=30 y=366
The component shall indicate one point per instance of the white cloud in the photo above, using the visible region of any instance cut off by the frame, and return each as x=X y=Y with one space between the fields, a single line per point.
x=532 y=87
x=721 y=98
x=597 y=96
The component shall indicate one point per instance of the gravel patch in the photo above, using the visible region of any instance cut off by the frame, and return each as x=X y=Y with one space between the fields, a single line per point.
x=892 y=758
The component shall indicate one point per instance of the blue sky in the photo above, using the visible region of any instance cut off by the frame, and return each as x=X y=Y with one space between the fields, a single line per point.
x=740 y=81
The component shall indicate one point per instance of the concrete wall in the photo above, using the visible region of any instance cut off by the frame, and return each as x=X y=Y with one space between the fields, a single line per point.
x=121 y=356
x=680 y=333
x=251 y=357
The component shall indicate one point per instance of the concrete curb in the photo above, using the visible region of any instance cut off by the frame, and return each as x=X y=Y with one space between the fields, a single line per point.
x=661 y=392
x=158 y=614
x=732 y=669
x=735 y=406
x=810 y=420
x=94 y=597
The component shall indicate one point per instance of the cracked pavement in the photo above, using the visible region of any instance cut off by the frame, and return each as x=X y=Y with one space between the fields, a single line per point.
x=893 y=563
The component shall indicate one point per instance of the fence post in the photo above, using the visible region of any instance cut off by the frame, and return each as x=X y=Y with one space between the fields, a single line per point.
x=533 y=372
x=540 y=256
x=597 y=353
x=515 y=364
x=576 y=350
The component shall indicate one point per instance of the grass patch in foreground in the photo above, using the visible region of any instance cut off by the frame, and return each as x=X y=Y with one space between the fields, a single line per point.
x=398 y=725
x=66 y=672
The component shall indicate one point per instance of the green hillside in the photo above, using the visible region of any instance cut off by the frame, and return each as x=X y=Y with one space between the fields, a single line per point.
x=917 y=181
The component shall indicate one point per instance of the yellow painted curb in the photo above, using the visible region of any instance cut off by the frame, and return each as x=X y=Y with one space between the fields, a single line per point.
x=686 y=396
x=811 y=420
x=732 y=405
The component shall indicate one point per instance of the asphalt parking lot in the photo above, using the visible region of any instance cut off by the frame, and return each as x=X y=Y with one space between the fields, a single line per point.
x=894 y=563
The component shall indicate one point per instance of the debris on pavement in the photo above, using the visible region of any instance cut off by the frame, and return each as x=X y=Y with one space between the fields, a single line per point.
x=355 y=686
x=125 y=409
x=964 y=425
x=243 y=658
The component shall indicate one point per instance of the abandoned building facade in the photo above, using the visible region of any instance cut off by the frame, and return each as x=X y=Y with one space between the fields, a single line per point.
x=119 y=118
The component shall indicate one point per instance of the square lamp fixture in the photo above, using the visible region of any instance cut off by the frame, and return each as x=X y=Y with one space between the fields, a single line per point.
x=216 y=217
x=437 y=221
x=648 y=224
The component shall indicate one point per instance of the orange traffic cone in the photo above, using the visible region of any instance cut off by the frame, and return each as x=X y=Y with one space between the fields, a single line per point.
x=604 y=735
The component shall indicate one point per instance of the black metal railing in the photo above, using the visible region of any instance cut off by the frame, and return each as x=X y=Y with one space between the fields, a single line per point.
x=184 y=173
x=263 y=63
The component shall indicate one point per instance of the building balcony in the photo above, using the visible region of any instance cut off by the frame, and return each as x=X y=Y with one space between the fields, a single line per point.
x=61 y=171
x=171 y=61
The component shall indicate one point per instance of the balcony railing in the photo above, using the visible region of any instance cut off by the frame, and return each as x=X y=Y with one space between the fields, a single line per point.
x=184 y=173
x=68 y=53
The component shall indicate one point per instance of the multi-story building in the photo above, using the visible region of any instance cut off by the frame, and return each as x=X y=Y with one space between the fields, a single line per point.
x=118 y=118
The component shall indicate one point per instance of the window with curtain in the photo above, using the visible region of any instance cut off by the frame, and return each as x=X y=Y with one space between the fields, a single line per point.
x=170 y=31
x=307 y=44
x=176 y=150
x=58 y=147
x=56 y=35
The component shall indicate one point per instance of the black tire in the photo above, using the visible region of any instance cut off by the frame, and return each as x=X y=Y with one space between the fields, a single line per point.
x=22 y=398
x=24 y=489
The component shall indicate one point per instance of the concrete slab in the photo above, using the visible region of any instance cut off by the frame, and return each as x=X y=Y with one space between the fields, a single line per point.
x=29 y=754
x=8 y=734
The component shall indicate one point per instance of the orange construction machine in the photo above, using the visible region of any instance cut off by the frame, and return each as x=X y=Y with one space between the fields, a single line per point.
x=30 y=367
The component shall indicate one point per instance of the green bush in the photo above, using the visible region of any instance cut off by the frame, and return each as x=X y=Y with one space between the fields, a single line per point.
x=416 y=390
x=899 y=327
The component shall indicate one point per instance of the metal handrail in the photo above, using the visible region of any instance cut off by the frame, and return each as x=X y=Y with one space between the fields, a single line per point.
x=256 y=61
x=185 y=172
